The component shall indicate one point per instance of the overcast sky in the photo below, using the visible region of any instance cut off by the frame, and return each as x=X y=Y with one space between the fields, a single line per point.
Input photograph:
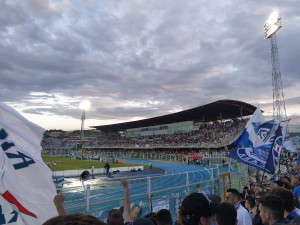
x=136 y=59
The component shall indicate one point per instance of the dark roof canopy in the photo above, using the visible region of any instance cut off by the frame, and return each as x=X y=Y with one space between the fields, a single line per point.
x=224 y=109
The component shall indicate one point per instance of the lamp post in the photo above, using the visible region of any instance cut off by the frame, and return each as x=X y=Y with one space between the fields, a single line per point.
x=271 y=26
x=84 y=106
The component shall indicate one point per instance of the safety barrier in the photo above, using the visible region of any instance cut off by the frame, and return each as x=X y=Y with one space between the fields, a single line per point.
x=151 y=193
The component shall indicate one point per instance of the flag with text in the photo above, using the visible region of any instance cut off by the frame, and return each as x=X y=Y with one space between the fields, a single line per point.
x=26 y=188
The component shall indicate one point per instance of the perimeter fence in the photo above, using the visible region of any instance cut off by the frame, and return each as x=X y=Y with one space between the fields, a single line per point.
x=152 y=193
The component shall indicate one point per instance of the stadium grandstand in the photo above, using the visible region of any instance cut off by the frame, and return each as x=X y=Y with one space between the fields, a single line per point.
x=211 y=127
x=219 y=110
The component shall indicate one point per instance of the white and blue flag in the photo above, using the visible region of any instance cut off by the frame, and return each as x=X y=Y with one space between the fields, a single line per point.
x=287 y=144
x=26 y=186
x=260 y=143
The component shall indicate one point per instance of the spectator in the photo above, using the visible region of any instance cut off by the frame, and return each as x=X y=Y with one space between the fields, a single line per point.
x=197 y=188
x=215 y=199
x=142 y=221
x=59 y=204
x=153 y=217
x=225 y=214
x=296 y=192
x=233 y=198
x=288 y=202
x=258 y=197
x=164 y=217
x=107 y=167
x=224 y=162
x=92 y=169
x=271 y=210
x=195 y=210
x=78 y=219
x=127 y=216
x=250 y=206
x=244 y=193
x=256 y=188
x=115 y=216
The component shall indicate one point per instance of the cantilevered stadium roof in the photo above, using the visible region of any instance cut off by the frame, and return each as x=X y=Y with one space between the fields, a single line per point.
x=224 y=109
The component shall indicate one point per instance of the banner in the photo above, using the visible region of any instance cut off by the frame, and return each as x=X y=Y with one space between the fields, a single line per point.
x=207 y=190
x=260 y=143
x=27 y=189
x=158 y=205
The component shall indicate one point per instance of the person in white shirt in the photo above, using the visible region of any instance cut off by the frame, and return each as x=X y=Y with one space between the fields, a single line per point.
x=233 y=198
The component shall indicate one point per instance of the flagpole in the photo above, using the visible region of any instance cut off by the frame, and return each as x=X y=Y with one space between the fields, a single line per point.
x=263 y=176
x=279 y=163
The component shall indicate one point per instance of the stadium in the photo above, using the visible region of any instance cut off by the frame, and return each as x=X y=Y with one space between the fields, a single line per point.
x=212 y=126
x=206 y=131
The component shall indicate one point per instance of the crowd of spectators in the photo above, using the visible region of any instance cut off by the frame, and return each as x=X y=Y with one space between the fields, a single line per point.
x=209 y=134
x=156 y=154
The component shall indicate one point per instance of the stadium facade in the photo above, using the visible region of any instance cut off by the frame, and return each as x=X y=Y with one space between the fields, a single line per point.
x=186 y=121
x=219 y=110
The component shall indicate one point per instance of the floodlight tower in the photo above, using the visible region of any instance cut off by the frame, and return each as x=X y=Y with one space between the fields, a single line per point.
x=84 y=105
x=271 y=26
x=82 y=126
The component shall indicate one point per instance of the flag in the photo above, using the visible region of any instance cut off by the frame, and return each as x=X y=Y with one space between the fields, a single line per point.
x=246 y=139
x=264 y=157
x=274 y=155
x=26 y=188
x=287 y=144
x=260 y=143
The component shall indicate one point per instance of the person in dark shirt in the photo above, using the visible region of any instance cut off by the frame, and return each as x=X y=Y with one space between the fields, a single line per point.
x=164 y=217
x=288 y=201
x=258 y=196
x=271 y=210
x=225 y=214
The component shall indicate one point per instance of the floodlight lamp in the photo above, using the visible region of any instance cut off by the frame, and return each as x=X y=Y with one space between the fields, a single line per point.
x=85 y=105
x=272 y=25
x=274 y=17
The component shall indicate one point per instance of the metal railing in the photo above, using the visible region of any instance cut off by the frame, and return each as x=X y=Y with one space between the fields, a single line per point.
x=151 y=193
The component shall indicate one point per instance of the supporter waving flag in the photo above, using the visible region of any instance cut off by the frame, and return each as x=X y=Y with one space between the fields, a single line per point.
x=260 y=144
x=26 y=187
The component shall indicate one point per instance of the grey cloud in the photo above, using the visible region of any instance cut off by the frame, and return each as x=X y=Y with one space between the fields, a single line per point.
x=182 y=54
